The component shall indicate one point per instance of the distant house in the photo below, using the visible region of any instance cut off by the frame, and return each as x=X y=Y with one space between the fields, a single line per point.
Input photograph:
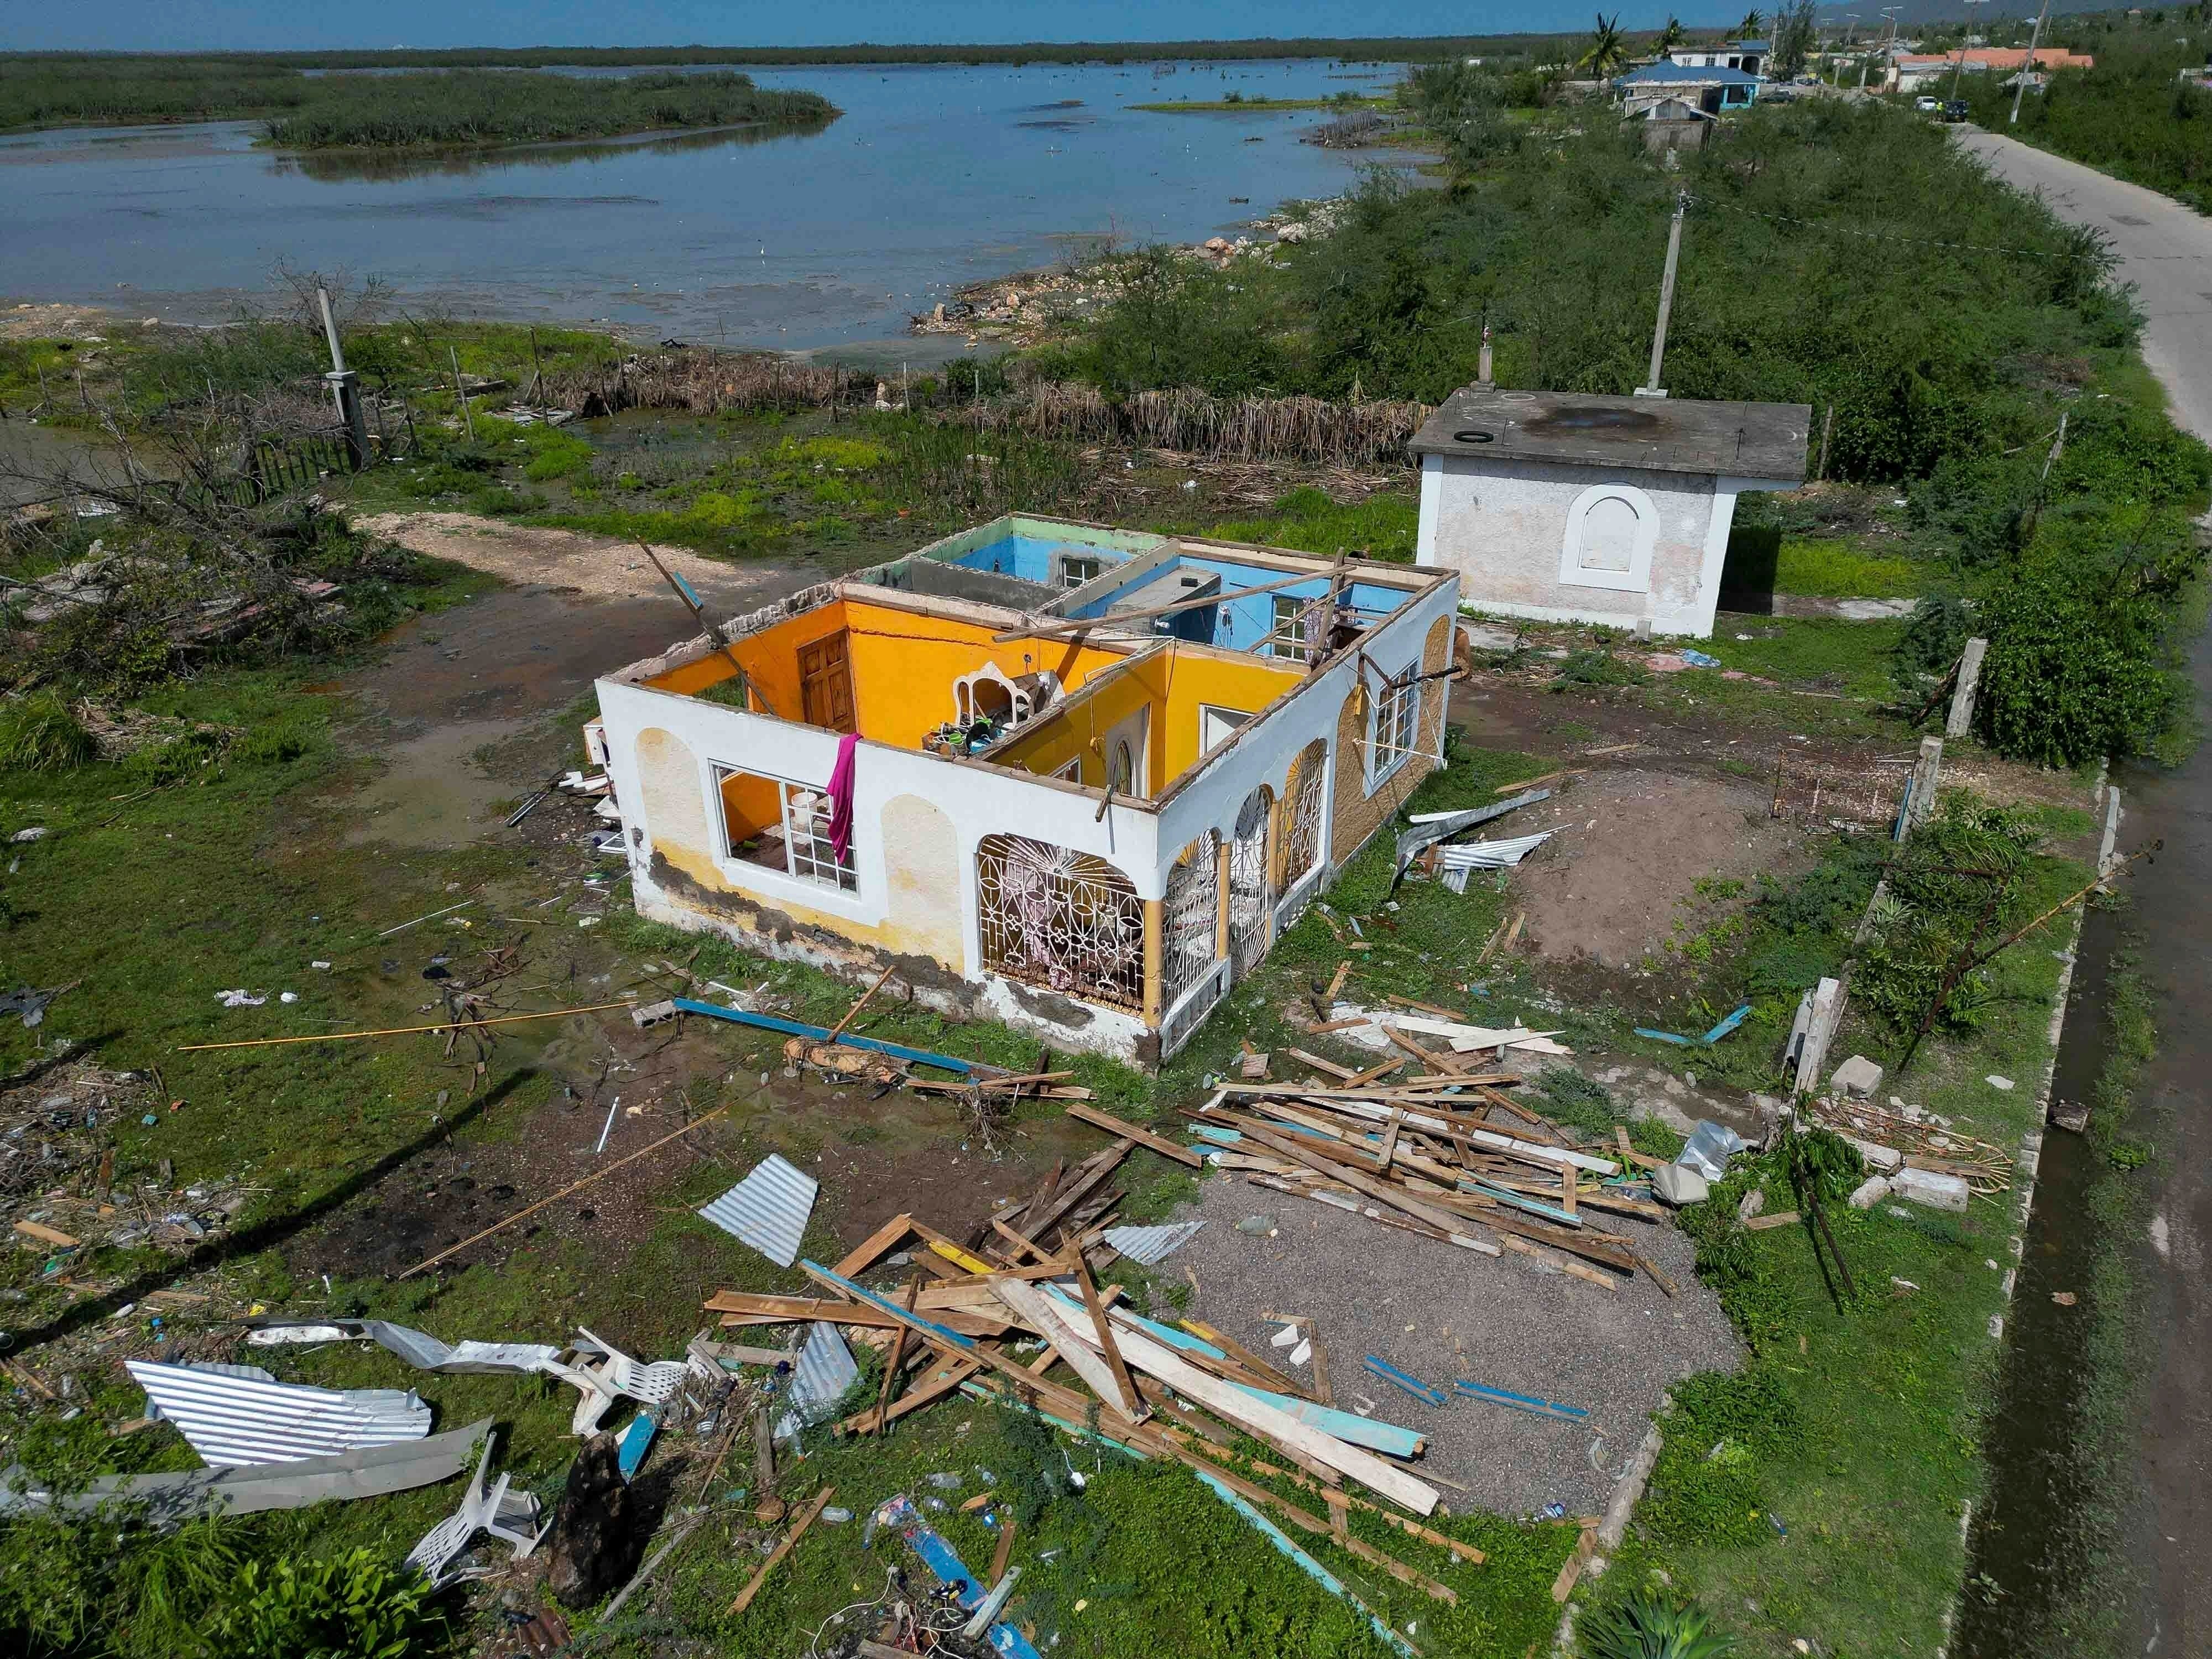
x=1712 y=89
x=1749 y=56
x=1668 y=123
x=1913 y=70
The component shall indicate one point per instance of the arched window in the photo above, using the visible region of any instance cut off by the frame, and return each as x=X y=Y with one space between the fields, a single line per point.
x=1192 y=917
x=1611 y=529
x=1300 y=842
x=1069 y=920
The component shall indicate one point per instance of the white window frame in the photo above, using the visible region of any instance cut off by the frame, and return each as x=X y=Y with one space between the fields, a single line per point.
x=1073 y=772
x=1287 y=639
x=1229 y=722
x=1400 y=700
x=1637 y=579
x=1069 y=577
x=808 y=856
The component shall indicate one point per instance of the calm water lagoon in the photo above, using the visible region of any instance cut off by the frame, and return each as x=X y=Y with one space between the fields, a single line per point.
x=935 y=176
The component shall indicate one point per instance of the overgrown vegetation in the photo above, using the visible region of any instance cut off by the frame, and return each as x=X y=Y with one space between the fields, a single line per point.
x=463 y=106
x=440 y=106
x=1941 y=365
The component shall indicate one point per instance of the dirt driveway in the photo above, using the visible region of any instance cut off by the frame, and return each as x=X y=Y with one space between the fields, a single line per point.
x=574 y=561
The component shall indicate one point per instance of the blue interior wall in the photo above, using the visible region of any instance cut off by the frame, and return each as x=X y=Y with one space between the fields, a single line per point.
x=1243 y=624
x=1034 y=558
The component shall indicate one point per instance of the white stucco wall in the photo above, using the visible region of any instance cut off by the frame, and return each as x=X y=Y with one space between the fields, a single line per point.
x=1523 y=534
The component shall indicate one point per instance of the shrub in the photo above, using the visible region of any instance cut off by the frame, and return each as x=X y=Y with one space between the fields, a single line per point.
x=1597 y=666
x=351 y=1606
x=1647 y=1626
x=38 y=733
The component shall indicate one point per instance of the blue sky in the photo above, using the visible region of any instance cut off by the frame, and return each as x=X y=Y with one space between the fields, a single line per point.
x=180 y=25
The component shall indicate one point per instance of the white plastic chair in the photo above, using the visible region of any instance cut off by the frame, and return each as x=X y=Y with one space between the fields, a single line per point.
x=510 y=1517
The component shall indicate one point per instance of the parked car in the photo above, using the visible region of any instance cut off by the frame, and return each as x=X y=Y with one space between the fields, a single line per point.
x=1927 y=105
x=1954 y=109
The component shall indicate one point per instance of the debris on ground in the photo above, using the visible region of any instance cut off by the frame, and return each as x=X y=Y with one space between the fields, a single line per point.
x=1892 y=1142
x=1449 y=1155
x=596 y=1538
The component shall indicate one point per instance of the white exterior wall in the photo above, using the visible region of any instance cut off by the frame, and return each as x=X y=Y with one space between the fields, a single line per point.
x=975 y=801
x=1508 y=528
x=910 y=901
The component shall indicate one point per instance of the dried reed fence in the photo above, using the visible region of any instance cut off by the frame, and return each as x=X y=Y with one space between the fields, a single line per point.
x=1256 y=429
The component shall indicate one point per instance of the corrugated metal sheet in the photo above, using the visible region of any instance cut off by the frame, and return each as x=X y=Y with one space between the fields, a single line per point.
x=233 y=1419
x=820 y=1373
x=768 y=1209
x=1151 y=1245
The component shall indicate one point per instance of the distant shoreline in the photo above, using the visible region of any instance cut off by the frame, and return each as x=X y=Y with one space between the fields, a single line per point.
x=1372 y=49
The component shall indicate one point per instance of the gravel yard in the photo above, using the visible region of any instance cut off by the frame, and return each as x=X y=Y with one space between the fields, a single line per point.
x=1441 y=1313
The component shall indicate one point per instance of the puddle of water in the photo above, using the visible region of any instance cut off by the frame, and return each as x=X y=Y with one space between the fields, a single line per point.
x=433 y=794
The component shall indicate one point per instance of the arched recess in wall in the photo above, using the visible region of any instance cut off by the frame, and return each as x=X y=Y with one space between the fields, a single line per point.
x=1611 y=530
x=675 y=808
x=1066 y=919
x=1299 y=843
x=921 y=878
x=1191 y=916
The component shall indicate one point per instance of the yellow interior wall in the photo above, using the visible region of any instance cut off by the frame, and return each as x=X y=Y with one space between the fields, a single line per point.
x=770 y=658
x=1066 y=736
x=749 y=804
x=904 y=664
x=1191 y=679
x=1175 y=684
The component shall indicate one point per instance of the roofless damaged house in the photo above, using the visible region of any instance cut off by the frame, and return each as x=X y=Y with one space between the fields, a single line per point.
x=1561 y=507
x=1088 y=816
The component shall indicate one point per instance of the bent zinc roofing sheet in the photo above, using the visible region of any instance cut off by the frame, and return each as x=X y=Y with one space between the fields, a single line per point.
x=237 y=1415
x=768 y=1209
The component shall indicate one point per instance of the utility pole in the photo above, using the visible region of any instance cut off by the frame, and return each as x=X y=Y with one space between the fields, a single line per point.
x=345 y=389
x=1890 y=41
x=1651 y=388
x=1964 y=41
x=2019 y=81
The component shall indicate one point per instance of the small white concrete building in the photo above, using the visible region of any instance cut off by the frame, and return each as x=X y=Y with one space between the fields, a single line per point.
x=1562 y=506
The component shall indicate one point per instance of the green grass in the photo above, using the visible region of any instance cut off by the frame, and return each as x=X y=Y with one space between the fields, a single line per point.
x=1311 y=521
x=1833 y=568
x=1887 y=1392
x=1807 y=654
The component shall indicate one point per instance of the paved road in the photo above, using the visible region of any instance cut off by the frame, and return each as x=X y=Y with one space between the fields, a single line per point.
x=2165 y=251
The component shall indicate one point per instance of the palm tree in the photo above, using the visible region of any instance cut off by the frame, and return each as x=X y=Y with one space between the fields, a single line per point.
x=1753 y=21
x=1608 y=49
x=1670 y=35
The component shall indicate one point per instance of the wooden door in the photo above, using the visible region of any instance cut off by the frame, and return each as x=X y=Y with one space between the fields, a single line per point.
x=826 y=684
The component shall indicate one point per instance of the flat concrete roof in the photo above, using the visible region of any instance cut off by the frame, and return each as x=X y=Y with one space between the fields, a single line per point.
x=1657 y=434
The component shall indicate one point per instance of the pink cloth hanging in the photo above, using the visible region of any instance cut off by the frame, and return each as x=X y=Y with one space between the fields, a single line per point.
x=840 y=798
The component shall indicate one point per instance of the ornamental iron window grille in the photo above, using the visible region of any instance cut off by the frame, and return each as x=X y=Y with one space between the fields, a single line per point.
x=1192 y=917
x=1251 y=900
x=1066 y=919
x=1304 y=799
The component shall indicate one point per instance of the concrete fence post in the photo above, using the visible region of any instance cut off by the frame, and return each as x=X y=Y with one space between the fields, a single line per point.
x=1925 y=772
x=1961 y=719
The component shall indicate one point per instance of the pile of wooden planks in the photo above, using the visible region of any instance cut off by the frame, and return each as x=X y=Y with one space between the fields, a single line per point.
x=964 y=1317
x=1447 y=1154
x=1184 y=1392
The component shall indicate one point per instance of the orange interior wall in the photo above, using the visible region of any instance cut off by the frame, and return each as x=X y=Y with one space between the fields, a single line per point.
x=749 y=804
x=902 y=664
x=770 y=658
